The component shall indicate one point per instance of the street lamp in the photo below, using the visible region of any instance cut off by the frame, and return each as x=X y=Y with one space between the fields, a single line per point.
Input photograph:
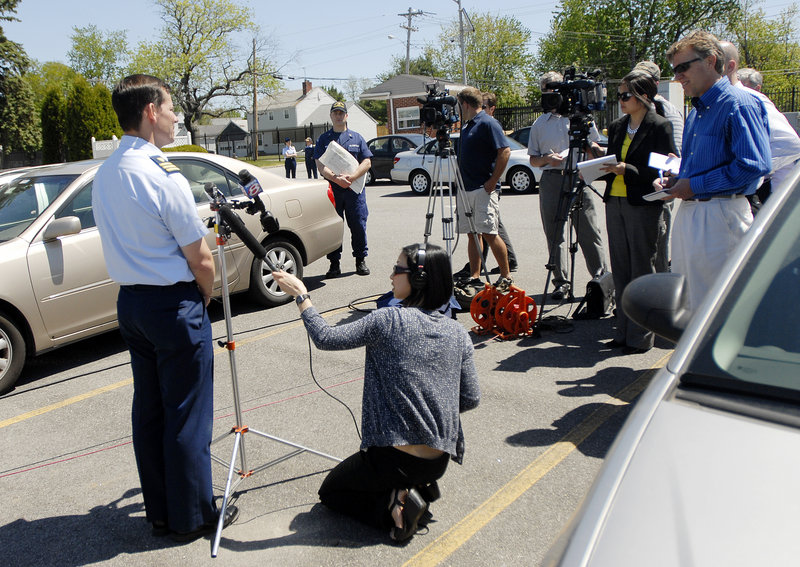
x=408 y=50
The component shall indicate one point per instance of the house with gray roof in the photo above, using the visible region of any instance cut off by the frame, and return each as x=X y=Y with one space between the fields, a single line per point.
x=401 y=92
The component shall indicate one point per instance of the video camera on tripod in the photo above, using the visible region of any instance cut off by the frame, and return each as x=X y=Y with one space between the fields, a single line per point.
x=576 y=97
x=438 y=111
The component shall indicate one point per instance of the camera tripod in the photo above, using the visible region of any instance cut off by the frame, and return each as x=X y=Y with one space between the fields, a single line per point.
x=446 y=174
x=225 y=221
x=567 y=217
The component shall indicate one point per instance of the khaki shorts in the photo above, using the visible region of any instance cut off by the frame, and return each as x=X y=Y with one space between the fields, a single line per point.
x=485 y=211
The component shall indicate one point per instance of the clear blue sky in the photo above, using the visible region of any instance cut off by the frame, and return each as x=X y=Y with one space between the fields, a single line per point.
x=319 y=39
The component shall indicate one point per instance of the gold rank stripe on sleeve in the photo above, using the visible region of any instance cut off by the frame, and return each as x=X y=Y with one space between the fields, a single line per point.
x=165 y=164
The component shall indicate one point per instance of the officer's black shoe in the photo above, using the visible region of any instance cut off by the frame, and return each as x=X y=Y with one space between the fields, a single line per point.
x=361 y=267
x=334 y=270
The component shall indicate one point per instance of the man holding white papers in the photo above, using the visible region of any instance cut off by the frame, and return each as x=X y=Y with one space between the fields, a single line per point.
x=549 y=138
x=350 y=204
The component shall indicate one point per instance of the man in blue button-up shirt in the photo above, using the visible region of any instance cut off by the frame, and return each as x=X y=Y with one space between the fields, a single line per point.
x=725 y=154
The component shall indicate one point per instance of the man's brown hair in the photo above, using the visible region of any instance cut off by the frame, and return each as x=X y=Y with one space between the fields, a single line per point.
x=704 y=44
x=132 y=94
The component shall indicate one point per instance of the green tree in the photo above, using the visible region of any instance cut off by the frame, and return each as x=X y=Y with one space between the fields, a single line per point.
x=19 y=124
x=106 y=124
x=54 y=126
x=769 y=45
x=614 y=35
x=44 y=77
x=197 y=54
x=497 y=57
x=334 y=92
x=99 y=56
x=87 y=116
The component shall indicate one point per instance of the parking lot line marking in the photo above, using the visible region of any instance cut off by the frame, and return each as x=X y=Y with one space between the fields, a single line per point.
x=129 y=381
x=64 y=403
x=455 y=537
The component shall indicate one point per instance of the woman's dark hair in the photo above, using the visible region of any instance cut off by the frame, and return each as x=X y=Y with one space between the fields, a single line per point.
x=132 y=94
x=644 y=88
x=438 y=286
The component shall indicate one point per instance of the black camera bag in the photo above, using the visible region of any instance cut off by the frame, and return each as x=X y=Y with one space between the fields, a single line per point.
x=599 y=298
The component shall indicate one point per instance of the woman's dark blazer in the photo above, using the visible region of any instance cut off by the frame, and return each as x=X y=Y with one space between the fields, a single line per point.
x=654 y=135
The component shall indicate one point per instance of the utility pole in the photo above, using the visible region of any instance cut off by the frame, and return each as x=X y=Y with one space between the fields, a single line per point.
x=409 y=28
x=461 y=42
x=255 y=104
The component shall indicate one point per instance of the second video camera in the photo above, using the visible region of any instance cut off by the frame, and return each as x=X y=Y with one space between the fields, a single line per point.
x=576 y=94
x=438 y=108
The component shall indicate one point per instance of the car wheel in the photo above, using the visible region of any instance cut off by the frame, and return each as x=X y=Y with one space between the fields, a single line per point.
x=420 y=181
x=520 y=179
x=370 y=177
x=12 y=353
x=263 y=287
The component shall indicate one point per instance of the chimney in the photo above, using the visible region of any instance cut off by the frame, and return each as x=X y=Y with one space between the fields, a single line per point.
x=306 y=87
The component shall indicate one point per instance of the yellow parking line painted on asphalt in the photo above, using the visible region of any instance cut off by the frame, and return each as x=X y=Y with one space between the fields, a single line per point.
x=128 y=381
x=64 y=403
x=456 y=536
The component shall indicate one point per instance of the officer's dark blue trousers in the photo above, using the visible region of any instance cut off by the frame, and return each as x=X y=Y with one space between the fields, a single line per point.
x=352 y=207
x=168 y=333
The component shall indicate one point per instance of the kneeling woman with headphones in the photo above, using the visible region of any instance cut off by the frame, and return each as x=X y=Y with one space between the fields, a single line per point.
x=419 y=375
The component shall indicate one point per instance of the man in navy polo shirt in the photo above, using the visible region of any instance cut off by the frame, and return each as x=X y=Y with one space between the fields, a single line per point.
x=482 y=157
x=350 y=205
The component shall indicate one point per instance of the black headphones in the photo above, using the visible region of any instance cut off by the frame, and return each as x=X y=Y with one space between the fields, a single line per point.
x=419 y=277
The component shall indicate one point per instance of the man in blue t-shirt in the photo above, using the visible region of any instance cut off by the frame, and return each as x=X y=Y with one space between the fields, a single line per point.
x=482 y=157
x=351 y=205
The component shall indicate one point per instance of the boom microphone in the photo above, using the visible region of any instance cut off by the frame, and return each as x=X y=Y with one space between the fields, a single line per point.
x=239 y=229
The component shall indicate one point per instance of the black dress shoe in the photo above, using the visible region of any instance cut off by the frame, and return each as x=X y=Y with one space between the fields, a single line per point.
x=634 y=350
x=334 y=270
x=361 y=267
x=512 y=266
x=463 y=272
x=560 y=292
x=231 y=513
x=160 y=529
x=614 y=343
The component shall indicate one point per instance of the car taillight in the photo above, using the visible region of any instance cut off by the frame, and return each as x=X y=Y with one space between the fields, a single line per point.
x=396 y=160
x=331 y=197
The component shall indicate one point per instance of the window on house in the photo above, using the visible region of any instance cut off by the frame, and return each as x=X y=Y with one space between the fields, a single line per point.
x=408 y=118
x=286 y=113
x=271 y=116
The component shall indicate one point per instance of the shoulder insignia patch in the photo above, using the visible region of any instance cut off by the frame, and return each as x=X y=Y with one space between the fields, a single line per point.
x=165 y=164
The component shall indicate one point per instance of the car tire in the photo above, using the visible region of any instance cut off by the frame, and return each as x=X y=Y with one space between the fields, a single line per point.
x=370 y=177
x=520 y=179
x=420 y=181
x=12 y=353
x=263 y=288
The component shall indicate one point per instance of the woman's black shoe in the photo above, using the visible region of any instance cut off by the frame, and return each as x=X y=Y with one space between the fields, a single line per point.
x=231 y=513
x=412 y=509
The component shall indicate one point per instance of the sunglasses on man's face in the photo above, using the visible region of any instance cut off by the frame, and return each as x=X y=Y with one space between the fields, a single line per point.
x=683 y=67
x=400 y=270
x=625 y=97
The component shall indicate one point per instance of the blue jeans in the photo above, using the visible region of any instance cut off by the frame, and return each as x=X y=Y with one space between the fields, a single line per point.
x=168 y=333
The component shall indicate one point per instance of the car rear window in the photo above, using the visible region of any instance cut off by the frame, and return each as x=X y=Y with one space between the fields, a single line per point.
x=753 y=345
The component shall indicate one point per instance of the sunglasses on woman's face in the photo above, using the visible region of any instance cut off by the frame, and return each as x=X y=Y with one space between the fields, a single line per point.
x=625 y=97
x=400 y=270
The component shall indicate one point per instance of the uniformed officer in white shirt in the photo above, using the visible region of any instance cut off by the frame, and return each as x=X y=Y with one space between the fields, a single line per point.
x=154 y=247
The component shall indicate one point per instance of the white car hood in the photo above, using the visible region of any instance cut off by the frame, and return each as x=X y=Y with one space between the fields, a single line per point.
x=698 y=491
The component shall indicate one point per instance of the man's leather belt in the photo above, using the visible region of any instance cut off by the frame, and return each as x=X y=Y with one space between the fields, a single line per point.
x=705 y=199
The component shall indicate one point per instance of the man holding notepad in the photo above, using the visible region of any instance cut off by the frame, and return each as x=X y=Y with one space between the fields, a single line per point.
x=348 y=188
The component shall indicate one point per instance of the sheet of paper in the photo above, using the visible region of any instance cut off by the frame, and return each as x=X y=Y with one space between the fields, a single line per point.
x=342 y=162
x=665 y=163
x=656 y=195
x=590 y=169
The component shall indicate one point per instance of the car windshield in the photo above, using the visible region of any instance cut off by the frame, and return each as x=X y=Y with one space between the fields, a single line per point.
x=25 y=198
x=754 y=344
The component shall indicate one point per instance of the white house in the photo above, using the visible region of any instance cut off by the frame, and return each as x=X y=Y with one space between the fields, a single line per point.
x=303 y=113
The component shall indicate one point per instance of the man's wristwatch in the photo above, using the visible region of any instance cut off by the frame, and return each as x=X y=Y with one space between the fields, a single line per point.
x=301 y=298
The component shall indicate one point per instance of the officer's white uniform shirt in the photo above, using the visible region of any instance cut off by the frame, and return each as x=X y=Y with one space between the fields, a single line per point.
x=145 y=213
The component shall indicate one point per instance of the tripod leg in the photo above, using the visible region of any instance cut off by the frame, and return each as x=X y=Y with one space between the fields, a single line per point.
x=221 y=521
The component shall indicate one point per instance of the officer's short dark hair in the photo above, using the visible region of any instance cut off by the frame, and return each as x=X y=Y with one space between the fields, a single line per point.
x=132 y=94
x=439 y=287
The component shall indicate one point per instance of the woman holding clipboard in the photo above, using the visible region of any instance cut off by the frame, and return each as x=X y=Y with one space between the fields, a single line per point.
x=632 y=222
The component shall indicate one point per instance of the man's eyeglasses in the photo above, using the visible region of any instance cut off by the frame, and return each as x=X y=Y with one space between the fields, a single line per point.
x=683 y=67
x=400 y=270
x=625 y=97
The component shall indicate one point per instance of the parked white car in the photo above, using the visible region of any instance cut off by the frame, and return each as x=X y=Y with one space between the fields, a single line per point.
x=416 y=167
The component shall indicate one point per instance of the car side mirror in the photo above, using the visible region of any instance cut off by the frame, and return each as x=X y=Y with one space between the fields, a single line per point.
x=61 y=227
x=658 y=302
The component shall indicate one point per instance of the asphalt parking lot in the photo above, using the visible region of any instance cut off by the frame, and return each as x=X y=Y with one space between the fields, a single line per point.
x=551 y=405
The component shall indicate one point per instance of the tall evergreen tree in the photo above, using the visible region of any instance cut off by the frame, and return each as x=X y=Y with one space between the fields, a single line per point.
x=53 y=115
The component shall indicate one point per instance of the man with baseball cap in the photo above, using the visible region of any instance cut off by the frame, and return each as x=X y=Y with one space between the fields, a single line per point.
x=350 y=205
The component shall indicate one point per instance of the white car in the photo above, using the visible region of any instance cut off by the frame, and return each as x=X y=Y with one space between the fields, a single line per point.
x=417 y=167
x=704 y=471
